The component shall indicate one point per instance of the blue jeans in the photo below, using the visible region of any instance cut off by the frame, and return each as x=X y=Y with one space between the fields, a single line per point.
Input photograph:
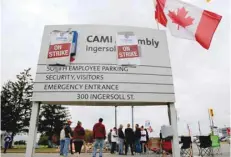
x=121 y=146
x=66 y=146
x=98 y=143
x=137 y=146
x=62 y=142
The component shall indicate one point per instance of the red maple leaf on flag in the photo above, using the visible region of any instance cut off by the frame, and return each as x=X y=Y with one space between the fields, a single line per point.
x=179 y=18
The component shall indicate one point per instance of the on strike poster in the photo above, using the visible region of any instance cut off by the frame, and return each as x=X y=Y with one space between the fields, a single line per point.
x=127 y=49
x=62 y=47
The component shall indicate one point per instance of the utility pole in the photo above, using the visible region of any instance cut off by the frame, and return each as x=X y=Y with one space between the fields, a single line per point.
x=133 y=117
x=189 y=131
x=210 y=121
x=116 y=116
x=211 y=114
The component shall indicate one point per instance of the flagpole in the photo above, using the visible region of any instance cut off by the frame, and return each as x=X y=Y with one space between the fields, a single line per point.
x=157 y=23
x=199 y=126
x=189 y=131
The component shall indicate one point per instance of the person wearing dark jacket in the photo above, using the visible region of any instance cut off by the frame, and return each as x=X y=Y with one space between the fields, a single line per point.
x=109 y=137
x=68 y=136
x=129 y=138
x=121 y=139
x=99 y=134
x=137 y=139
x=147 y=136
x=78 y=138
x=7 y=140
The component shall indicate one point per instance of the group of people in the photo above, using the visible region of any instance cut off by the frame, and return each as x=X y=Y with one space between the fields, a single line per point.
x=67 y=137
x=136 y=140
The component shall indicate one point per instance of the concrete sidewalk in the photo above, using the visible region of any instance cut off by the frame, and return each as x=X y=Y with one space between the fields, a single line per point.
x=225 y=149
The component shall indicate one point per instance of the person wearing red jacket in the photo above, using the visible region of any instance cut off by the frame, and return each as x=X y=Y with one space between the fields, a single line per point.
x=99 y=134
x=78 y=138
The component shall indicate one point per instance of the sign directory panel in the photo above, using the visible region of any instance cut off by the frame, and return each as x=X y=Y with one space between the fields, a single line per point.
x=94 y=76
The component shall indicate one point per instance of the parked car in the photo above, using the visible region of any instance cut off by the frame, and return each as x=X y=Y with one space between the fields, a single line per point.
x=222 y=139
x=225 y=139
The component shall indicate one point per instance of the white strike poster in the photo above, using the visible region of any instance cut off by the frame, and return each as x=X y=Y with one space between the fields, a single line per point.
x=59 y=48
x=127 y=49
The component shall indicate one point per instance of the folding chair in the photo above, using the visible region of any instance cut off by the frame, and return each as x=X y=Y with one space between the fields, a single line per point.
x=216 y=145
x=186 y=148
x=205 y=147
x=166 y=146
x=153 y=146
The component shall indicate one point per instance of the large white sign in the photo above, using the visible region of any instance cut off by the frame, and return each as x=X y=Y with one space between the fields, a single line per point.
x=93 y=76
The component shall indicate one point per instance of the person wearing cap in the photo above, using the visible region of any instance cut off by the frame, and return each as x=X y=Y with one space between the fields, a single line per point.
x=78 y=138
x=67 y=139
x=99 y=134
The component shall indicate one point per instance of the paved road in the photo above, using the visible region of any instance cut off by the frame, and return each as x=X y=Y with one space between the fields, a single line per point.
x=225 y=153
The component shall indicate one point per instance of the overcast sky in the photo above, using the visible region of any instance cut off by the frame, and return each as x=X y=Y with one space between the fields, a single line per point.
x=201 y=77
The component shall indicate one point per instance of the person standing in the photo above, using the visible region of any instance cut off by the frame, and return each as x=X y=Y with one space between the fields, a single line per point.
x=50 y=134
x=147 y=136
x=67 y=138
x=143 y=140
x=78 y=138
x=62 y=140
x=121 y=139
x=71 y=141
x=99 y=134
x=109 y=138
x=137 y=139
x=129 y=138
x=113 y=140
x=7 y=140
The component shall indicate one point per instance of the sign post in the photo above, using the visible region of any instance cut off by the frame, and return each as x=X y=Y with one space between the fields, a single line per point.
x=116 y=117
x=30 y=147
x=132 y=117
x=173 y=121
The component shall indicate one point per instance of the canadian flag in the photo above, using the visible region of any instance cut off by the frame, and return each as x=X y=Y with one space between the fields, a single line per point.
x=187 y=21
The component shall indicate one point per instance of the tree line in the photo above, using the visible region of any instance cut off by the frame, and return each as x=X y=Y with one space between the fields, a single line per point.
x=16 y=109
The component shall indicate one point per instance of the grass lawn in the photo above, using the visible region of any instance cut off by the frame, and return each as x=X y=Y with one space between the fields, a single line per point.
x=39 y=150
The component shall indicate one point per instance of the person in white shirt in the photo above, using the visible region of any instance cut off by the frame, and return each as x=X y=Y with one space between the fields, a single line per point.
x=143 y=139
x=114 y=140
x=62 y=140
